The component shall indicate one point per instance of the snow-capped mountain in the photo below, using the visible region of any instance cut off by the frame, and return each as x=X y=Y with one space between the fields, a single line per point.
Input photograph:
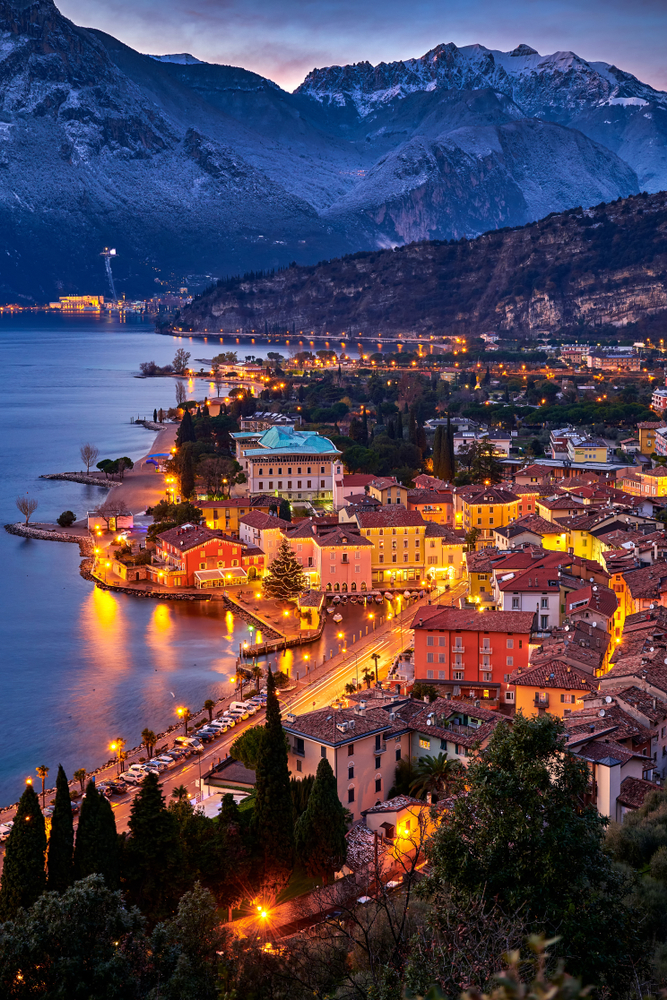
x=193 y=170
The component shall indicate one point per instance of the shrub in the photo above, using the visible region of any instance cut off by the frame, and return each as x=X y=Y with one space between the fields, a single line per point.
x=66 y=519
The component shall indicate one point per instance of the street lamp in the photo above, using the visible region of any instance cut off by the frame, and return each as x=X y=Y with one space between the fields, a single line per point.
x=117 y=747
x=184 y=713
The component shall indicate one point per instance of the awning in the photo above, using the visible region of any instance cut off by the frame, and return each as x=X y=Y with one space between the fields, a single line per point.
x=231 y=574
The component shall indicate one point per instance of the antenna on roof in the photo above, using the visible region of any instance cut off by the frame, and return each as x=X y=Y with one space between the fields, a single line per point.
x=609 y=699
x=602 y=713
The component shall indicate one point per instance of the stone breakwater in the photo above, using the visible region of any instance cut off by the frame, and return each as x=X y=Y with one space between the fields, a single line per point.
x=48 y=535
x=81 y=477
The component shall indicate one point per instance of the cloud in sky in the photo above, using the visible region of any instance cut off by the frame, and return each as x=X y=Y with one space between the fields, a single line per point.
x=284 y=40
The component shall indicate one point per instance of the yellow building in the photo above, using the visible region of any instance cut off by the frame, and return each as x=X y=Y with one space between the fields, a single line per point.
x=388 y=491
x=443 y=553
x=398 y=537
x=552 y=508
x=226 y=514
x=645 y=482
x=493 y=507
x=647 y=431
x=586 y=450
x=480 y=575
x=554 y=687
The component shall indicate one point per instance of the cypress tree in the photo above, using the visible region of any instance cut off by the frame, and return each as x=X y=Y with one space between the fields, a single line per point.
x=154 y=416
x=273 y=801
x=391 y=429
x=152 y=861
x=320 y=830
x=285 y=579
x=186 y=432
x=285 y=511
x=23 y=874
x=365 y=427
x=96 y=851
x=451 y=460
x=61 y=842
x=437 y=452
x=412 y=426
x=187 y=476
x=399 y=426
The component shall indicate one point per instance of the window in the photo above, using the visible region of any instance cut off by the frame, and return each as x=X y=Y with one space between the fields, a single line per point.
x=510 y=643
x=520 y=643
x=378 y=763
x=298 y=765
x=442 y=640
x=299 y=747
x=568 y=699
x=430 y=640
x=441 y=658
x=509 y=696
x=424 y=743
x=323 y=751
x=350 y=749
x=398 y=753
x=458 y=675
x=350 y=771
x=378 y=784
x=509 y=661
x=321 y=483
x=544 y=603
x=544 y=621
x=350 y=795
x=515 y=604
x=429 y=673
x=322 y=471
x=441 y=675
x=429 y=657
x=378 y=742
x=308 y=484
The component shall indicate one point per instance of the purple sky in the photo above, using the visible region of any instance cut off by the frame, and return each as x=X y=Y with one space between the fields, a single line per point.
x=284 y=40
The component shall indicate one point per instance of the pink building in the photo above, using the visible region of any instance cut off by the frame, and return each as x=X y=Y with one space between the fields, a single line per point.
x=335 y=558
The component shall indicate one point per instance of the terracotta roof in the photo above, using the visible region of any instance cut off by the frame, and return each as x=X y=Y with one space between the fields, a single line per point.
x=323 y=725
x=535 y=470
x=655 y=709
x=452 y=536
x=532 y=522
x=658 y=473
x=385 y=482
x=526 y=491
x=394 y=516
x=357 y=479
x=362 y=500
x=560 y=503
x=649 y=581
x=340 y=536
x=395 y=805
x=634 y=791
x=650 y=425
x=488 y=621
x=539 y=579
x=480 y=562
x=361 y=846
x=553 y=674
x=189 y=536
x=258 y=519
x=429 y=496
x=584 y=657
x=260 y=500
x=604 y=751
x=592 y=598
x=424 y=482
x=493 y=495
x=588 y=719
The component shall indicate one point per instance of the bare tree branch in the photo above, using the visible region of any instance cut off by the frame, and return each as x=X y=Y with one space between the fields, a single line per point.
x=88 y=454
x=27 y=505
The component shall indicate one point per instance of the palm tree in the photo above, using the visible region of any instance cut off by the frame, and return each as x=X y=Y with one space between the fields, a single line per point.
x=209 y=705
x=256 y=672
x=42 y=771
x=437 y=775
x=375 y=657
x=149 y=739
x=80 y=776
x=367 y=677
x=179 y=793
x=350 y=688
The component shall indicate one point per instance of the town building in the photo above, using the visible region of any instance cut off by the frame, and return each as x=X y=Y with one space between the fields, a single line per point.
x=645 y=482
x=531 y=530
x=454 y=728
x=433 y=505
x=583 y=449
x=609 y=765
x=336 y=558
x=263 y=531
x=485 y=510
x=555 y=687
x=647 y=429
x=659 y=400
x=194 y=556
x=471 y=655
x=388 y=491
x=614 y=359
x=534 y=590
x=443 y=553
x=363 y=746
x=226 y=515
x=397 y=536
x=297 y=465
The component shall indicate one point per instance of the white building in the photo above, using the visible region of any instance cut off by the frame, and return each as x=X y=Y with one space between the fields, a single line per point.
x=297 y=465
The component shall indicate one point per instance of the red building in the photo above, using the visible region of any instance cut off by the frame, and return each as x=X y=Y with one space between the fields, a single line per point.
x=471 y=654
x=197 y=556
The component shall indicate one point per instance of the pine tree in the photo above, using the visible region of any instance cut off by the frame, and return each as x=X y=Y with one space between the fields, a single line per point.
x=152 y=860
x=450 y=460
x=187 y=476
x=96 y=850
x=186 y=432
x=23 y=875
x=273 y=801
x=154 y=416
x=320 y=830
x=438 y=452
x=61 y=842
x=285 y=579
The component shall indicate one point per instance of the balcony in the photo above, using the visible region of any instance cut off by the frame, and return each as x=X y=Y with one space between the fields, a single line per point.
x=541 y=701
x=381 y=749
x=458 y=649
x=486 y=649
x=299 y=751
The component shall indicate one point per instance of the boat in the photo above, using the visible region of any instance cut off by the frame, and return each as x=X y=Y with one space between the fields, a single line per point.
x=388 y=595
x=330 y=610
x=353 y=599
x=406 y=593
x=336 y=599
x=378 y=599
x=338 y=617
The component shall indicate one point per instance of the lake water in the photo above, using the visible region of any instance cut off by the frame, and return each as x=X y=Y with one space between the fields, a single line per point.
x=80 y=666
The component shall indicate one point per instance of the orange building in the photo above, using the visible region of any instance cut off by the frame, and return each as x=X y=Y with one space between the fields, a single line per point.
x=436 y=506
x=555 y=687
x=194 y=556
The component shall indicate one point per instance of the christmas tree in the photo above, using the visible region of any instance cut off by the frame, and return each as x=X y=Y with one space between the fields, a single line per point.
x=285 y=579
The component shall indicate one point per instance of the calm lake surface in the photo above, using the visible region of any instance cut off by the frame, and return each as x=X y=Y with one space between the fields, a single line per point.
x=79 y=666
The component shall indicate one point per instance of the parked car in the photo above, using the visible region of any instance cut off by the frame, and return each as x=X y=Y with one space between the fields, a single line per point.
x=191 y=742
x=134 y=778
x=5 y=830
x=166 y=759
x=219 y=725
x=230 y=722
x=117 y=786
x=103 y=789
x=239 y=714
x=48 y=811
x=161 y=765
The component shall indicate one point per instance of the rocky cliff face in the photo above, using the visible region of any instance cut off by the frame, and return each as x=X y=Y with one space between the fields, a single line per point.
x=193 y=170
x=606 y=265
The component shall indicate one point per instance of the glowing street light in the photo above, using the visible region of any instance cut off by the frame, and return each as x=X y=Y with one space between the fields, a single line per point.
x=184 y=713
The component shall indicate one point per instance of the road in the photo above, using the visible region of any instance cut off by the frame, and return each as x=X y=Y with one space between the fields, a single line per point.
x=324 y=684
